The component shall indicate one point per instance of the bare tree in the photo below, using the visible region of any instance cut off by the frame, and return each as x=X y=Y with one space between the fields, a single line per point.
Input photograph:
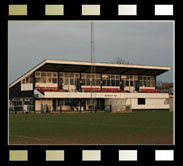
x=120 y=60
x=159 y=84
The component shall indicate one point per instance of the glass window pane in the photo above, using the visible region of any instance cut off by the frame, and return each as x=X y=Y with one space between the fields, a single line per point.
x=112 y=77
x=49 y=80
x=43 y=74
x=61 y=74
x=112 y=82
x=71 y=81
x=54 y=74
x=131 y=83
x=48 y=74
x=98 y=76
x=37 y=73
x=153 y=83
x=117 y=82
x=71 y=74
x=87 y=82
x=43 y=80
x=117 y=77
x=27 y=79
x=97 y=82
x=67 y=74
x=23 y=81
x=108 y=83
x=54 y=80
x=76 y=75
x=83 y=81
x=66 y=81
x=37 y=79
x=31 y=78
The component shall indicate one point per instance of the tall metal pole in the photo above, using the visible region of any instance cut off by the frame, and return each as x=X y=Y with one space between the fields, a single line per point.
x=93 y=69
x=91 y=59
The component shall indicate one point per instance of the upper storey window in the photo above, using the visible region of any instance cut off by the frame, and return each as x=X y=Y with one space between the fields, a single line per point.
x=67 y=78
x=46 y=77
x=90 y=79
x=147 y=81
x=129 y=80
x=27 y=80
x=110 y=79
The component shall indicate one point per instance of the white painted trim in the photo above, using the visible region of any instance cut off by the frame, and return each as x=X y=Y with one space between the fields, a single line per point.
x=142 y=87
x=108 y=64
x=104 y=95
x=27 y=87
x=114 y=87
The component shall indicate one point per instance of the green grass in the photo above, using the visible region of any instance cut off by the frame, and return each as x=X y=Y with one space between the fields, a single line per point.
x=145 y=127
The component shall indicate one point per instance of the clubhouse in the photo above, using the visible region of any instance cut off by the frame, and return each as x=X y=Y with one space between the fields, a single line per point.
x=57 y=85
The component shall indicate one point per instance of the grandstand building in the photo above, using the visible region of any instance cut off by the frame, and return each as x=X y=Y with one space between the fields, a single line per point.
x=56 y=85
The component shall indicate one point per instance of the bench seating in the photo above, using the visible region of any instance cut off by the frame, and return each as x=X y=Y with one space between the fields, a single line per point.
x=103 y=90
x=149 y=91
x=50 y=89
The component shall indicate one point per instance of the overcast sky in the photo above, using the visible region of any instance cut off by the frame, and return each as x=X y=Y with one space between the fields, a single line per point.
x=146 y=43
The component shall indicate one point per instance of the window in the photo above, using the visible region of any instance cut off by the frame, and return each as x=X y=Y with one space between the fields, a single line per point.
x=69 y=78
x=117 y=82
x=141 y=101
x=46 y=77
x=110 y=79
x=43 y=74
x=54 y=74
x=49 y=80
x=23 y=81
x=66 y=81
x=91 y=79
x=27 y=80
x=31 y=78
x=61 y=74
x=126 y=83
x=48 y=74
x=43 y=80
x=37 y=74
x=72 y=81
x=54 y=80
x=38 y=80
x=147 y=81
x=129 y=79
x=131 y=83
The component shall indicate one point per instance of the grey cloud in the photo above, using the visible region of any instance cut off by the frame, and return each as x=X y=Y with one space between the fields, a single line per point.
x=149 y=43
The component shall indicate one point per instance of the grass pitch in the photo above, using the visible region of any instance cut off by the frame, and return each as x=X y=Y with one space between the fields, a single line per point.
x=144 y=127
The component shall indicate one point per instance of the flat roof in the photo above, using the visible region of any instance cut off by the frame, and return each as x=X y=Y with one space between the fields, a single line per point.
x=85 y=67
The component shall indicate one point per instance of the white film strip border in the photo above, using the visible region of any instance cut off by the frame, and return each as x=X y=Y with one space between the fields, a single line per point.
x=91 y=10
x=91 y=155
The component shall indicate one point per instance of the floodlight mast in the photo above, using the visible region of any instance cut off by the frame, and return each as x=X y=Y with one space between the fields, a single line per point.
x=92 y=63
